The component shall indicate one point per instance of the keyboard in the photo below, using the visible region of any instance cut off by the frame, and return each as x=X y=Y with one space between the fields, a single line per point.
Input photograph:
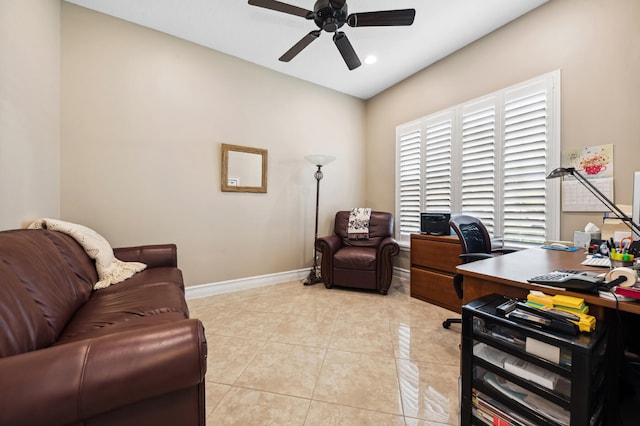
x=584 y=281
x=597 y=261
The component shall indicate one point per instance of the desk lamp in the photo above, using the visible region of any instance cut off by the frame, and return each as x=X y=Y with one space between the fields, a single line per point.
x=318 y=161
x=562 y=171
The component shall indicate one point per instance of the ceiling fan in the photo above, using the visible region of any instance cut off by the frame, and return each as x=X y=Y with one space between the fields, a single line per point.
x=330 y=15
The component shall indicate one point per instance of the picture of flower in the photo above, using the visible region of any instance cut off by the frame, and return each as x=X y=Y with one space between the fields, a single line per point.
x=593 y=162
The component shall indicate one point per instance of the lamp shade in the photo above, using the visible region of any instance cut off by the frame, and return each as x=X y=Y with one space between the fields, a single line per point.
x=561 y=171
x=319 y=160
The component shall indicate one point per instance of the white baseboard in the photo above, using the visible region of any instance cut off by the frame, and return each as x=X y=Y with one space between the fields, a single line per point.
x=222 y=287
x=401 y=274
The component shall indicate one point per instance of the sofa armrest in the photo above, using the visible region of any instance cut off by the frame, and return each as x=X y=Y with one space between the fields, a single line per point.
x=68 y=383
x=155 y=256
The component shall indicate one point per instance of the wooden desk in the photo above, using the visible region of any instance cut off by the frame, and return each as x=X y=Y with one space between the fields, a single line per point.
x=508 y=275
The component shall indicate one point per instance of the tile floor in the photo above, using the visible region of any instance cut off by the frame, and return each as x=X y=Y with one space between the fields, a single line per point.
x=290 y=354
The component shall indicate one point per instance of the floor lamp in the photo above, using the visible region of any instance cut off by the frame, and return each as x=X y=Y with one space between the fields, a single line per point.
x=318 y=161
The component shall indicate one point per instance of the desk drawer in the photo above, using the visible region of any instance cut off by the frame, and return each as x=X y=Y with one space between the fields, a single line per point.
x=435 y=288
x=440 y=255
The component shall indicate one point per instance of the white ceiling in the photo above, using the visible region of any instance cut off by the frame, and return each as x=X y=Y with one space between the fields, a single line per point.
x=261 y=36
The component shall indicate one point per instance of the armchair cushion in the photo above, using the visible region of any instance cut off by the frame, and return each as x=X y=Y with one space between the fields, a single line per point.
x=355 y=258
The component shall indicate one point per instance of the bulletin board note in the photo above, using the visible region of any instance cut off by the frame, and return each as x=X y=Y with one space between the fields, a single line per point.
x=577 y=198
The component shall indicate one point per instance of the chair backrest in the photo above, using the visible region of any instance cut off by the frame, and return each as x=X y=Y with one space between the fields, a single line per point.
x=380 y=227
x=472 y=233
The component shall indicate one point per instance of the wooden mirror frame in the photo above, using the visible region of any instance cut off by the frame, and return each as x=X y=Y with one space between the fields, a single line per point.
x=226 y=187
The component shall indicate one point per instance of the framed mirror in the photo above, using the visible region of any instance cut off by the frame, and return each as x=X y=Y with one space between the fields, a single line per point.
x=244 y=169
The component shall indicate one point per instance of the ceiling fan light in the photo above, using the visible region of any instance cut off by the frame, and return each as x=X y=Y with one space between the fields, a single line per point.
x=330 y=16
x=370 y=60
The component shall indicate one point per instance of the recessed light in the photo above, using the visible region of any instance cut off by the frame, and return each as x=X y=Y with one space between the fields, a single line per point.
x=370 y=60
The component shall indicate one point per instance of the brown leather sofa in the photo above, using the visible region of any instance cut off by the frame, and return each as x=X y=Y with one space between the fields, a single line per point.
x=363 y=263
x=69 y=355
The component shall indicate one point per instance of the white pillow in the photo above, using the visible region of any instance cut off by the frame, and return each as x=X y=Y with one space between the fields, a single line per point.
x=110 y=270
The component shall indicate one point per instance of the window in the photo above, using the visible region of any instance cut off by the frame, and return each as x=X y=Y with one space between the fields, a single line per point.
x=488 y=158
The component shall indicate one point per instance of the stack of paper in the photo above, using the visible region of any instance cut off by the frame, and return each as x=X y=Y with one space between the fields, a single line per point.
x=577 y=303
x=530 y=400
x=573 y=305
x=531 y=372
x=540 y=298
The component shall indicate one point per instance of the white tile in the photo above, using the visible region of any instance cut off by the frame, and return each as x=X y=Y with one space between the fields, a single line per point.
x=304 y=355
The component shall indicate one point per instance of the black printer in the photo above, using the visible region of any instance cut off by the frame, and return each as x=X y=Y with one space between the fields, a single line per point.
x=435 y=223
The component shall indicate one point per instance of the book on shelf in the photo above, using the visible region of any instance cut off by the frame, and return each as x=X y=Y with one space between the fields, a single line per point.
x=484 y=417
x=490 y=411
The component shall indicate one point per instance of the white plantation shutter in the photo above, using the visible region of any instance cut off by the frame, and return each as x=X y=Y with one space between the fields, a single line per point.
x=525 y=147
x=437 y=164
x=478 y=157
x=409 y=156
x=487 y=158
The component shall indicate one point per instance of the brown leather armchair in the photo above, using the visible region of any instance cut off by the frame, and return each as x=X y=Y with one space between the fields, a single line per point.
x=363 y=263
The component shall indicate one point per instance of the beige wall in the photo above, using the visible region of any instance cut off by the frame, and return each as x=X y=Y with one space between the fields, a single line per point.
x=595 y=44
x=29 y=111
x=143 y=117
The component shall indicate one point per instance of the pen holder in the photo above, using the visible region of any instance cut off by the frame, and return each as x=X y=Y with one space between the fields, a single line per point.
x=621 y=263
x=620 y=259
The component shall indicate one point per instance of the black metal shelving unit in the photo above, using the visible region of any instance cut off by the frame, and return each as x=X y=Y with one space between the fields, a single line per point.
x=571 y=381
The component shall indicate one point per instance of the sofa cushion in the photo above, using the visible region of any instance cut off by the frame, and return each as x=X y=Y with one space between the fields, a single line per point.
x=151 y=276
x=112 y=310
x=34 y=269
x=79 y=331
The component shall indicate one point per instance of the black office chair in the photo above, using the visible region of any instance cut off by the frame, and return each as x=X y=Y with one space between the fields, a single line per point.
x=476 y=245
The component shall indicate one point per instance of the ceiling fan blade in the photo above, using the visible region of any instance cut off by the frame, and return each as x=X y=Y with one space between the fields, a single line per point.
x=382 y=18
x=282 y=7
x=346 y=50
x=299 y=46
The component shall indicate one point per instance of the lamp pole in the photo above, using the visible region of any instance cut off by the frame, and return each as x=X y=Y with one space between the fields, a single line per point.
x=318 y=161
